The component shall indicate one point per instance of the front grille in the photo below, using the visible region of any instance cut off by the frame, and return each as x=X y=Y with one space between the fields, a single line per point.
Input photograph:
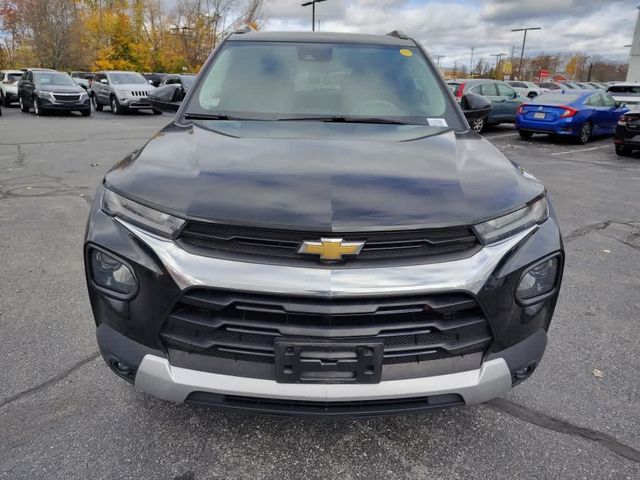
x=244 y=326
x=139 y=93
x=62 y=97
x=284 y=244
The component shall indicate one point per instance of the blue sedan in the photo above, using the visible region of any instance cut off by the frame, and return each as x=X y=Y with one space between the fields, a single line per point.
x=579 y=114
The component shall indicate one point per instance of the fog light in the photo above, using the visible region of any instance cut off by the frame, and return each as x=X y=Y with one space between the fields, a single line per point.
x=538 y=280
x=110 y=273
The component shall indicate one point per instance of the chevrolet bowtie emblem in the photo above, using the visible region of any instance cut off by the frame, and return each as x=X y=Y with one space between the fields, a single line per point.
x=331 y=248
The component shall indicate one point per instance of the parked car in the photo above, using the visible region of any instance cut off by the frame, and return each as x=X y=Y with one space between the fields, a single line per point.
x=504 y=99
x=48 y=90
x=570 y=86
x=578 y=114
x=338 y=248
x=9 y=86
x=526 y=89
x=627 y=93
x=169 y=95
x=549 y=85
x=586 y=86
x=154 y=78
x=122 y=91
x=627 y=136
x=83 y=78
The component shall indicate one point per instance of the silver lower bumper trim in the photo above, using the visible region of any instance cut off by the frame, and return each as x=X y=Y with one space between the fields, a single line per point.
x=157 y=377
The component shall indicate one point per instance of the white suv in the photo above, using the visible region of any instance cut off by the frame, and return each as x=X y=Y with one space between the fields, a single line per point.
x=9 y=86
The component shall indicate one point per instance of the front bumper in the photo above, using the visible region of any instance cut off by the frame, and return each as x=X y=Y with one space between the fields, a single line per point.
x=47 y=104
x=134 y=103
x=155 y=375
x=129 y=330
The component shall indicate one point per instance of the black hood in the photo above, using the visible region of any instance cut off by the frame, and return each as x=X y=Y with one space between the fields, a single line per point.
x=323 y=176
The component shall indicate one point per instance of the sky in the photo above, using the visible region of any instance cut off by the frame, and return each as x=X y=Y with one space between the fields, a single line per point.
x=451 y=28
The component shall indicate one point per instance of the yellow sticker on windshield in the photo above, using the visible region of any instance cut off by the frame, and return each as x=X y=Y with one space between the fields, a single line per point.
x=406 y=52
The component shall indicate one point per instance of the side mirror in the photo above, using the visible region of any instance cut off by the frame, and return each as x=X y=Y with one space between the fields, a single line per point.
x=474 y=106
x=104 y=81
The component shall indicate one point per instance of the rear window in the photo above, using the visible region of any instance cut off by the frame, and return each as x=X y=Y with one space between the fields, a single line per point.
x=277 y=80
x=551 y=98
x=633 y=89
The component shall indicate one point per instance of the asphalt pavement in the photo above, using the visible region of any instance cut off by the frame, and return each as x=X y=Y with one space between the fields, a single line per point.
x=64 y=415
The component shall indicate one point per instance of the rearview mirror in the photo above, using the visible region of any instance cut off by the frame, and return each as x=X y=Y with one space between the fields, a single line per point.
x=474 y=106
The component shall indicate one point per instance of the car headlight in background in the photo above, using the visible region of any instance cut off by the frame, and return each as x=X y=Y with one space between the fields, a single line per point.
x=110 y=273
x=122 y=93
x=44 y=93
x=83 y=96
x=539 y=280
x=145 y=217
x=514 y=222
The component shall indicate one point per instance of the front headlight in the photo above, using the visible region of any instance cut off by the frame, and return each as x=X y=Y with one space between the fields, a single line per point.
x=145 y=217
x=507 y=225
x=122 y=93
x=44 y=93
x=83 y=96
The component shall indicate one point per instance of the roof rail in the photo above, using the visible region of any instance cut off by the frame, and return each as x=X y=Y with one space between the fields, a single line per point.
x=243 y=29
x=398 y=34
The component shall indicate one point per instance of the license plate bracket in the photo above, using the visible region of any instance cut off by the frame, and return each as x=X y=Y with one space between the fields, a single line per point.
x=539 y=115
x=303 y=361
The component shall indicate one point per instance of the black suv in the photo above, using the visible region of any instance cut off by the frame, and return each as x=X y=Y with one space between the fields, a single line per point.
x=48 y=90
x=318 y=231
x=627 y=136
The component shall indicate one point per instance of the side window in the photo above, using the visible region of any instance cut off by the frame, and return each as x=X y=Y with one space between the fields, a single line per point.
x=595 y=100
x=608 y=100
x=489 y=89
x=506 y=91
x=477 y=89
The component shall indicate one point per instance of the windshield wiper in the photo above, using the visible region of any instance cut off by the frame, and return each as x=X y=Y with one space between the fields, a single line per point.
x=209 y=116
x=345 y=119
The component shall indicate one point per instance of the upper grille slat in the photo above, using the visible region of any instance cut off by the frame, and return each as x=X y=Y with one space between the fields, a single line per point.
x=245 y=326
x=279 y=244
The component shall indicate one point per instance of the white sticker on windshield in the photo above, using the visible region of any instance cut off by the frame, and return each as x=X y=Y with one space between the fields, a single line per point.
x=437 y=122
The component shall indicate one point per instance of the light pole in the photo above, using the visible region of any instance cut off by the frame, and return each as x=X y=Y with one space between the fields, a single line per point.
x=438 y=57
x=313 y=12
x=524 y=41
x=471 y=63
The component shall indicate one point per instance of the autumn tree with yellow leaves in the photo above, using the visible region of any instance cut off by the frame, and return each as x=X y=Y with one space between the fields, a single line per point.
x=138 y=35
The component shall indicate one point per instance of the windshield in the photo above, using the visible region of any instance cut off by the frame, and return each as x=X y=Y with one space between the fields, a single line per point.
x=271 y=81
x=13 y=77
x=127 y=77
x=53 y=78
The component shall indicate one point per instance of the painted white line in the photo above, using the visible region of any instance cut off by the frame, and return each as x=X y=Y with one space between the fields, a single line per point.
x=555 y=154
x=489 y=137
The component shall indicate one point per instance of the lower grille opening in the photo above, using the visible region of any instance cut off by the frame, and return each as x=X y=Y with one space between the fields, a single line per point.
x=329 y=408
x=243 y=327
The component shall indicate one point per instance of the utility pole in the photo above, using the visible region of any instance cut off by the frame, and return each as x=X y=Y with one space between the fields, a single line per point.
x=471 y=63
x=524 y=41
x=438 y=57
x=313 y=12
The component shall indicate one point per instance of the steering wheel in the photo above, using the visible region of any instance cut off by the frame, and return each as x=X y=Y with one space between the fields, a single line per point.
x=391 y=108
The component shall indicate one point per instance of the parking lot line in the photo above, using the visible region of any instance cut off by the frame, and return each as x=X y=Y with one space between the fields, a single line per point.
x=502 y=135
x=578 y=150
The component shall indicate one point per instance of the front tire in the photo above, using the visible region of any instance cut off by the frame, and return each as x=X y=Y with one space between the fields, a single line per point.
x=23 y=107
x=622 y=150
x=37 y=109
x=585 y=133
x=5 y=101
x=86 y=112
x=116 y=108
x=157 y=112
x=478 y=125
x=96 y=106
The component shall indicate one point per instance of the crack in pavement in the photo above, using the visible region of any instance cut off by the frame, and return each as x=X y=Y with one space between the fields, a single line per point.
x=548 y=422
x=582 y=231
x=51 y=381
